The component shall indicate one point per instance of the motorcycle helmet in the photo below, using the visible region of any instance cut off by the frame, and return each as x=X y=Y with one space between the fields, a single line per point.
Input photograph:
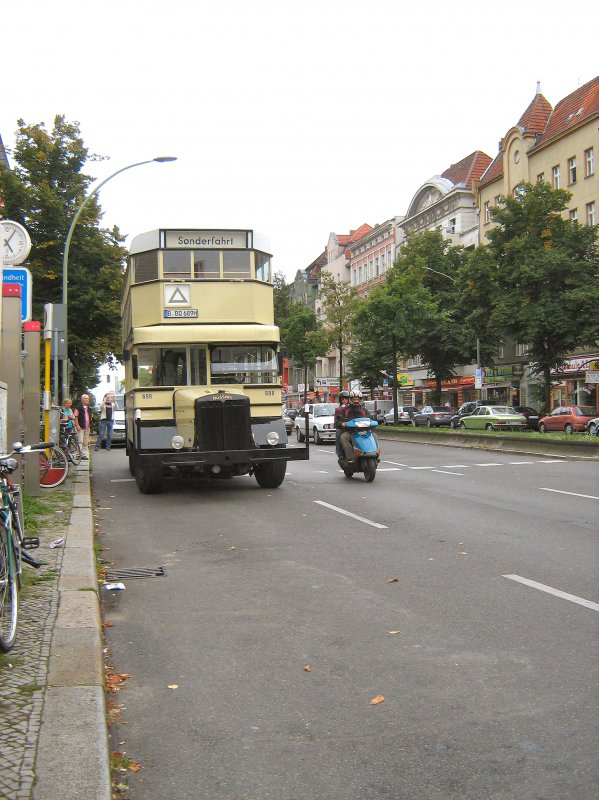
x=355 y=393
x=343 y=394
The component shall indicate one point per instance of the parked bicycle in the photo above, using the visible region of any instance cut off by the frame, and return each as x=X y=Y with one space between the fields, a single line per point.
x=69 y=443
x=13 y=546
x=54 y=465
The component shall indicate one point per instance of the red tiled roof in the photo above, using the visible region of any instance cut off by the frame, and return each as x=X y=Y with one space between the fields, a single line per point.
x=536 y=115
x=469 y=169
x=317 y=264
x=353 y=236
x=494 y=171
x=571 y=112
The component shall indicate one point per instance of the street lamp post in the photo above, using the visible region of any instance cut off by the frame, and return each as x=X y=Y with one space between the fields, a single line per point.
x=65 y=258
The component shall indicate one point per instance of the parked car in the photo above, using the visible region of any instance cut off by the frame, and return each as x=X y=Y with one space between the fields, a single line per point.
x=532 y=416
x=288 y=421
x=463 y=411
x=405 y=415
x=376 y=409
x=592 y=426
x=493 y=418
x=291 y=412
x=321 y=423
x=432 y=416
x=567 y=418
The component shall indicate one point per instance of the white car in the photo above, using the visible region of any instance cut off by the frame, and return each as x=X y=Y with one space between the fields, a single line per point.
x=321 y=423
x=118 y=430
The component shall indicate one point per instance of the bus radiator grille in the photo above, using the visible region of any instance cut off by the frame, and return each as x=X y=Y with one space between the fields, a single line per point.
x=223 y=422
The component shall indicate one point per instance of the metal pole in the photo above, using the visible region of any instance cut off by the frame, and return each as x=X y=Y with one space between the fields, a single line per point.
x=65 y=257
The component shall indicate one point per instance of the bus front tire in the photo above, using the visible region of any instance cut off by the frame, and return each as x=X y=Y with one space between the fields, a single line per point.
x=148 y=478
x=270 y=474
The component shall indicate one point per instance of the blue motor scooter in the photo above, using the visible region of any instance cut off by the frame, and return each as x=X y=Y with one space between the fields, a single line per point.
x=367 y=452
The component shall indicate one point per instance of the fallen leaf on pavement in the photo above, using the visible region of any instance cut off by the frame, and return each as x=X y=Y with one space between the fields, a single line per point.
x=308 y=668
x=107 y=624
x=376 y=700
x=462 y=553
x=135 y=766
x=393 y=633
x=393 y=580
x=173 y=686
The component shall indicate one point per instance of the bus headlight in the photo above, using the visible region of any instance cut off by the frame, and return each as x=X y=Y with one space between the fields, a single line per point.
x=177 y=442
x=272 y=438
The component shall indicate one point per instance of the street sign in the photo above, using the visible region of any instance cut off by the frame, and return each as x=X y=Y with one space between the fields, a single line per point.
x=326 y=381
x=22 y=276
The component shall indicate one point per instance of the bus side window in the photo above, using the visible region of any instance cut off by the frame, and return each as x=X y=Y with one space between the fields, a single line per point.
x=199 y=375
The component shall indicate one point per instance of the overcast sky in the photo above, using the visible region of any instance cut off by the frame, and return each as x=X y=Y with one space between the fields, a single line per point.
x=294 y=119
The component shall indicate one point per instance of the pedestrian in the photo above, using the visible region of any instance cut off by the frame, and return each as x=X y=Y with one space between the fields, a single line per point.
x=83 y=421
x=107 y=410
x=339 y=414
x=67 y=416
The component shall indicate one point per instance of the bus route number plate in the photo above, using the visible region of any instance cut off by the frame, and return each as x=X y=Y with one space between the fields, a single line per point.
x=180 y=313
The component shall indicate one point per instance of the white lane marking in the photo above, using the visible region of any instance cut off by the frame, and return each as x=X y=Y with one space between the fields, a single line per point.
x=446 y=472
x=323 y=471
x=349 y=514
x=328 y=452
x=121 y=480
x=490 y=464
x=395 y=463
x=550 y=590
x=572 y=494
x=552 y=461
x=516 y=463
x=419 y=467
x=454 y=466
x=389 y=469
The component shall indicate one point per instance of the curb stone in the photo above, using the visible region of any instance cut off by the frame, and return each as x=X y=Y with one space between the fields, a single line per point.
x=72 y=760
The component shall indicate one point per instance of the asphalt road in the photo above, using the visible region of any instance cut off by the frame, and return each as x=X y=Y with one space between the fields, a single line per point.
x=284 y=613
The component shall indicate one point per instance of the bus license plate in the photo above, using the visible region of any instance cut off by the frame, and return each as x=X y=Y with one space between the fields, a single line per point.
x=180 y=313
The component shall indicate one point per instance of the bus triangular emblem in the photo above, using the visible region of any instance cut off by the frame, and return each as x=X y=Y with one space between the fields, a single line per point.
x=177 y=297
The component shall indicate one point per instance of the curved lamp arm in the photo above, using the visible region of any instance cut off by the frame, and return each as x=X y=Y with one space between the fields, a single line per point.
x=65 y=257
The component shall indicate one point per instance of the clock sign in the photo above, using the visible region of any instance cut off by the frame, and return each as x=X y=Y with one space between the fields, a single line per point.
x=15 y=242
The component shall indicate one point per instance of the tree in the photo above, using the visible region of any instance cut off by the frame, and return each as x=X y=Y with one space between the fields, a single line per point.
x=304 y=339
x=375 y=344
x=339 y=301
x=43 y=192
x=545 y=273
x=423 y=284
x=282 y=298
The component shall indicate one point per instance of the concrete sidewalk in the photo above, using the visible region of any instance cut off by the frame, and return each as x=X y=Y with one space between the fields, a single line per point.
x=56 y=746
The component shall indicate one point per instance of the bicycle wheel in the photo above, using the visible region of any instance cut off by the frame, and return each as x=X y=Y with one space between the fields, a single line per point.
x=74 y=450
x=9 y=592
x=54 y=468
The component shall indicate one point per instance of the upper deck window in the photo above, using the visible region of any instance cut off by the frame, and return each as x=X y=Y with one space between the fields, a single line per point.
x=206 y=264
x=262 y=267
x=236 y=264
x=146 y=266
x=176 y=263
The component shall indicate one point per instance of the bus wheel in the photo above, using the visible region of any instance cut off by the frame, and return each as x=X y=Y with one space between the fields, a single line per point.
x=270 y=474
x=148 y=479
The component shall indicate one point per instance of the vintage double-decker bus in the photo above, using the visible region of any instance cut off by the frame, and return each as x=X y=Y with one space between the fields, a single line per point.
x=202 y=366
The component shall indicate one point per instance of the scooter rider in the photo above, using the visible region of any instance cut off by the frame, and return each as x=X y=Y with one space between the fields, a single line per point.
x=339 y=412
x=352 y=411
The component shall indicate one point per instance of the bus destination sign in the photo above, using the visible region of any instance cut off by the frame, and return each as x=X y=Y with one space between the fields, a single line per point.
x=207 y=239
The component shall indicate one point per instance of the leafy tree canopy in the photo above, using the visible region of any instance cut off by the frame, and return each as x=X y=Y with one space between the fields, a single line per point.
x=543 y=270
x=339 y=302
x=43 y=192
x=423 y=286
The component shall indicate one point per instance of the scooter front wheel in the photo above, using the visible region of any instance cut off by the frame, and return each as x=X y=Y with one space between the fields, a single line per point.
x=369 y=470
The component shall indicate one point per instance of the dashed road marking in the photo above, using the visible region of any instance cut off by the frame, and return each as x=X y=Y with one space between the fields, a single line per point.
x=572 y=494
x=349 y=514
x=446 y=472
x=557 y=592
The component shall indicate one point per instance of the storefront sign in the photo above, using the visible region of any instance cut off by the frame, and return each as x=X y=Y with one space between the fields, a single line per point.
x=591 y=376
x=452 y=383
